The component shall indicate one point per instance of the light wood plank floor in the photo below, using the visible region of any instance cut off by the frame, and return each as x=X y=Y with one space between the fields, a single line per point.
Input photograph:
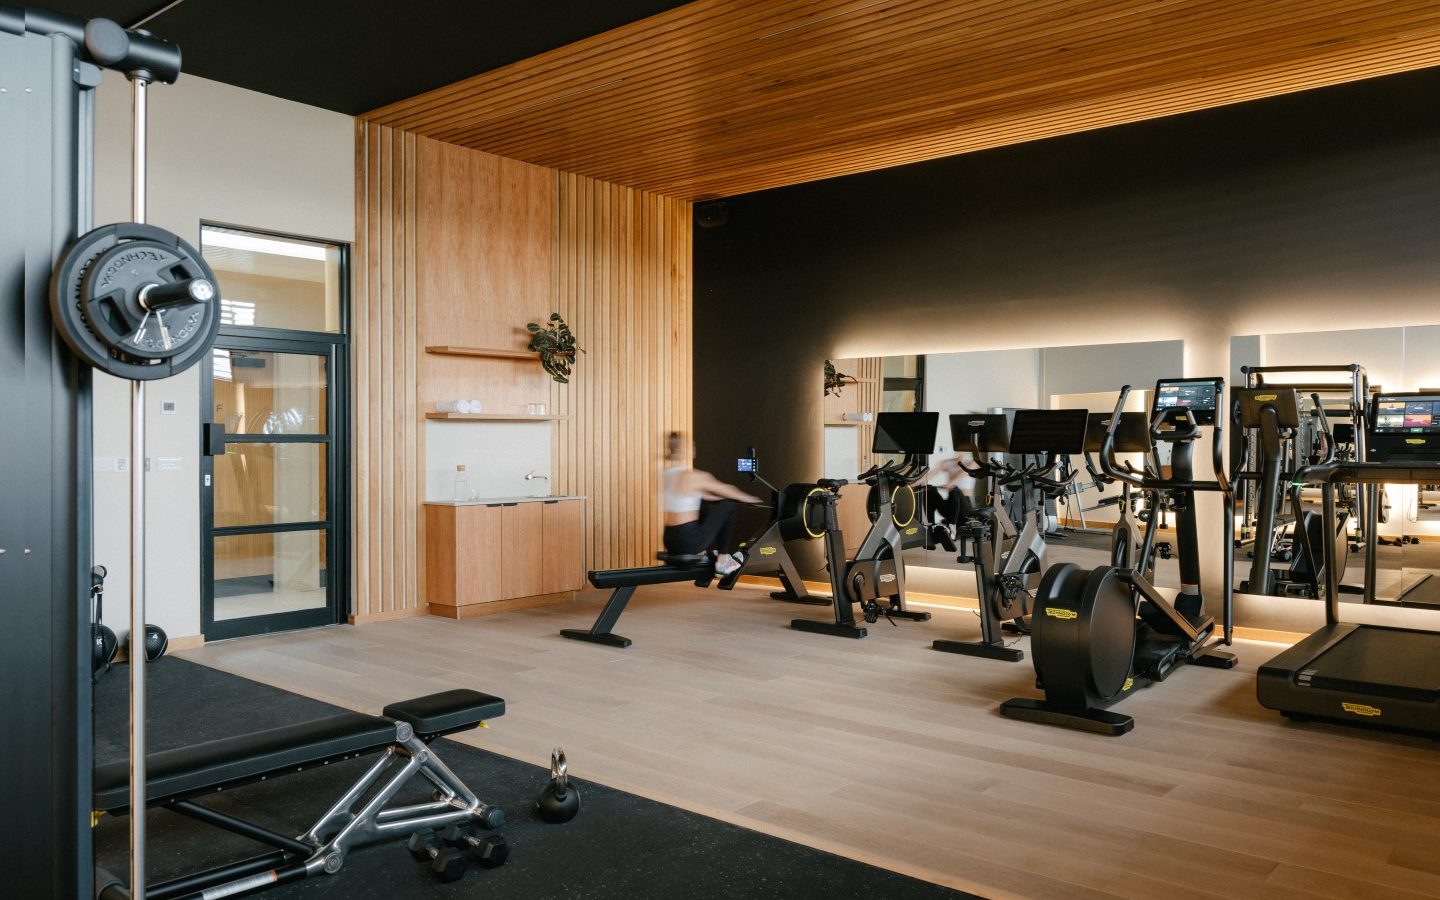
x=887 y=751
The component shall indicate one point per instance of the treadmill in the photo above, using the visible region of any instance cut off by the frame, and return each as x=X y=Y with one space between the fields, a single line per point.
x=1373 y=675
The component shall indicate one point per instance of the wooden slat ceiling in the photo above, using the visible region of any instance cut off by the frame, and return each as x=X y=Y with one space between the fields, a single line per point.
x=723 y=97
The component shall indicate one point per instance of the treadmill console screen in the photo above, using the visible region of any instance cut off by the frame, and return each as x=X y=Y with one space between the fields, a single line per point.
x=1407 y=415
x=1200 y=396
x=899 y=432
x=1404 y=428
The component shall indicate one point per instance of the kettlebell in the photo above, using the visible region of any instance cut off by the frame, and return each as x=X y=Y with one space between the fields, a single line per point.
x=560 y=800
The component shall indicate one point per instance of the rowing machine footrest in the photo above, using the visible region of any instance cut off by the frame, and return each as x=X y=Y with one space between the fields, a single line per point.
x=446 y=712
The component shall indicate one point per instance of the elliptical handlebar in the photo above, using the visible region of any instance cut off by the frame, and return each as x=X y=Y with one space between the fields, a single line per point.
x=1108 y=463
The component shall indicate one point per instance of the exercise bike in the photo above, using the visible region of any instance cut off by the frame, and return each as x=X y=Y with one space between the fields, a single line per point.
x=875 y=578
x=1099 y=635
x=1007 y=562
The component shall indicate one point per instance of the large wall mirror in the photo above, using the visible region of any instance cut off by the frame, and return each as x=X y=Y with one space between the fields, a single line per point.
x=1077 y=523
x=1407 y=537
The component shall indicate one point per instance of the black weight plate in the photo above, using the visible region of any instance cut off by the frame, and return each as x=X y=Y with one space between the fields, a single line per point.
x=110 y=299
x=103 y=342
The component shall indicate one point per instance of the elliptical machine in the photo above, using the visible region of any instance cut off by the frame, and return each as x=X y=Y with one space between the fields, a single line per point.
x=1006 y=561
x=1099 y=635
x=875 y=579
x=1128 y=539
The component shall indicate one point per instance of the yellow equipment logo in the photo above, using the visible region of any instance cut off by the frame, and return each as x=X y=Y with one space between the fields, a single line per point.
x=1059 y=612
x=1265 y=398
x=1129 y=683
x=912 y=531
x=1415 y=441
x=768 y=551
x=1360 y=709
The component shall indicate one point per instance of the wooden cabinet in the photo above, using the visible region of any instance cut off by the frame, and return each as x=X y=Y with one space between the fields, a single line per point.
x=520 y=571
x=560 y=546
x=480 y=554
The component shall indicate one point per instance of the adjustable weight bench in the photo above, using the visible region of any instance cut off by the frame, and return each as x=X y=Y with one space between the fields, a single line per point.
x=699 y=569
x=361 y=815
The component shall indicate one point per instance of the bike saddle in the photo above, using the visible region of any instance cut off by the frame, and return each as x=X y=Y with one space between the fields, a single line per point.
x=832 y=484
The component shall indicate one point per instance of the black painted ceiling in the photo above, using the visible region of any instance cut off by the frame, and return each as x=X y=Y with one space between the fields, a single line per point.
x=352 y=56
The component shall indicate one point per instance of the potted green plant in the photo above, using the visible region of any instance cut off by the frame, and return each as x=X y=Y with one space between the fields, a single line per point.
x=835 y=379
x=555 y=343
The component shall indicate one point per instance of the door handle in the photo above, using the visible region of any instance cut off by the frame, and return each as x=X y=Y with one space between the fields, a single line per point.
x=212 y=437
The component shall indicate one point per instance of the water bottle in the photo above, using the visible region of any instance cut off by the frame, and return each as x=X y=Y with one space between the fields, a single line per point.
x=462 y=485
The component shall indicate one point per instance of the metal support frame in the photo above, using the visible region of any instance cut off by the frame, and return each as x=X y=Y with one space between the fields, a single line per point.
x=360 y=816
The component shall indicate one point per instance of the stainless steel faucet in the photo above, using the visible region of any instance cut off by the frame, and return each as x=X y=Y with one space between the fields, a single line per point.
x=531 y=476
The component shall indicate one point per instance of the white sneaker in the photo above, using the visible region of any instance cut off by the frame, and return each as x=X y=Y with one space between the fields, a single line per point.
x=727 y=563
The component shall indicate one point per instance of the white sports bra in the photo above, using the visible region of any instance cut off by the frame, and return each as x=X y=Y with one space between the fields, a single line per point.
x=674 y=500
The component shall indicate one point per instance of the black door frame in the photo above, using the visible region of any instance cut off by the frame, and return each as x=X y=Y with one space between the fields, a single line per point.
x=337 y=489
x=335 y=346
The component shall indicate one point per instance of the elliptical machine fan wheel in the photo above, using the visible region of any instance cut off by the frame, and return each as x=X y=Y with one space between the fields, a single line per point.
x=1083 y=641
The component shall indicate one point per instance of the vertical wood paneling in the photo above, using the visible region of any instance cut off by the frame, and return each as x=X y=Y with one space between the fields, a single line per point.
x=460 y=247
x=622 y=261
x=384 y=418
x=869 y=371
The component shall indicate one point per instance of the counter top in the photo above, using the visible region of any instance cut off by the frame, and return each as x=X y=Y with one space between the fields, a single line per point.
x=496 y=501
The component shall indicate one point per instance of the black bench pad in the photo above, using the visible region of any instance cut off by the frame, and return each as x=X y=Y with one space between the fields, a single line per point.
x=613 y=578
x=447 y=711
x=199 y=768
x=174 y=774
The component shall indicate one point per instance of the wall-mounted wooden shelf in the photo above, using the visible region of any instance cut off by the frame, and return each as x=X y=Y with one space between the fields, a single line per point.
x=491 y=417
x=487 y=352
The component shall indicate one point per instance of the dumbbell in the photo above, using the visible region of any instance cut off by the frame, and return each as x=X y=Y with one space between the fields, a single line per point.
x=490 y=851
x=560 y=800
x=447 y=864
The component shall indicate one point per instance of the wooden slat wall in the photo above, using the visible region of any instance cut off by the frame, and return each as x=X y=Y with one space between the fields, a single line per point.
x=722 y=97
x=385 y=420
x=869 y=371
x=622 y=277
x=456 y=246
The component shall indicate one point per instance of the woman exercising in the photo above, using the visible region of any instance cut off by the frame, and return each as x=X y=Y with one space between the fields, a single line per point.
x=699 y=509
x=955 y=506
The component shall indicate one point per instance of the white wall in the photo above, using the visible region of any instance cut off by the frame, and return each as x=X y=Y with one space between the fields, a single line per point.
x=975 y=382
x=496 y=457
x=220 y=154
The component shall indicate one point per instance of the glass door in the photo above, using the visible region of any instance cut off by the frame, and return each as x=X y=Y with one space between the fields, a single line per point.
x=269 y=487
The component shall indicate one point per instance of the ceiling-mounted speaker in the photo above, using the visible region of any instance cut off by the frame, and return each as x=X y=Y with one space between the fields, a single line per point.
x=711 y=214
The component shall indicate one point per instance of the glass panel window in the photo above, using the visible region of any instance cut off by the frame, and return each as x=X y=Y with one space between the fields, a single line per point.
x=264 y=574
x=263 y=392
x=267 y=484
x=268 y=281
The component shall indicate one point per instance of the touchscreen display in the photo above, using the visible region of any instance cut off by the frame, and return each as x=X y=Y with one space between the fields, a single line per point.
x=1407 y=415
x=1199 y=395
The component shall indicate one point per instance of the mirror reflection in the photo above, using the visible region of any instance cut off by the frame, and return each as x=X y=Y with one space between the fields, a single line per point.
x=1304 y=397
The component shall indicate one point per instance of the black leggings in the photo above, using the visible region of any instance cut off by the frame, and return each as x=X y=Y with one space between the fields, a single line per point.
x=952 y=509
x=712 y=529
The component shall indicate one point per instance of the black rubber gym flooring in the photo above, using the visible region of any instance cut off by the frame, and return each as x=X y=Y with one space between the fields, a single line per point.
x=620 y=845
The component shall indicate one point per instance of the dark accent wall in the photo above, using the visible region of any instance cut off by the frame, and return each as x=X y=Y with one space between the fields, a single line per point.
x=1312 y=211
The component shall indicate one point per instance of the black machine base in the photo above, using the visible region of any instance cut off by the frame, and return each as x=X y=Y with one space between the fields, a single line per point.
x=908 y=615
x=1094 y=721
x=835 y=628
x=606 y=638
x=981 y=649
x=808 y=601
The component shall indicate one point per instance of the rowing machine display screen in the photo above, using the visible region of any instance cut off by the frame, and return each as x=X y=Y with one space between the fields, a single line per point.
x=1049 y=431
x=745 y=464
x=980 y=432
x=1201 y=396
x=897 y=432
x=1131 y=436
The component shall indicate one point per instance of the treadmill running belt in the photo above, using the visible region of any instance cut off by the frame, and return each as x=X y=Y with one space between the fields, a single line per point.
x=1385 y=662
